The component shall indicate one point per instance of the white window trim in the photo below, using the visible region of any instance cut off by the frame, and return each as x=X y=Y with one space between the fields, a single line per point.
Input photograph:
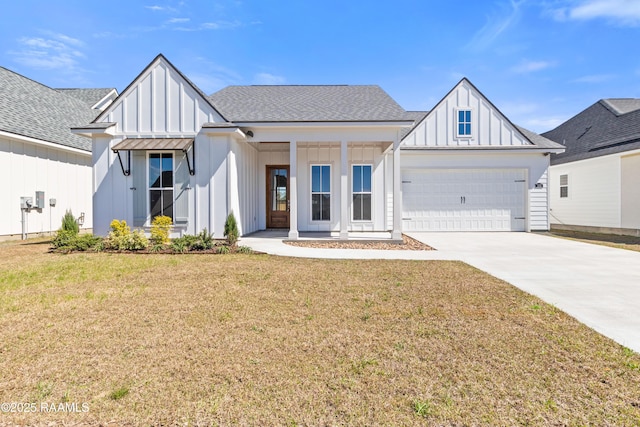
x=173 y=184
x=560 y=186
x=362 y=221
x=456 y=123
x=311 y=193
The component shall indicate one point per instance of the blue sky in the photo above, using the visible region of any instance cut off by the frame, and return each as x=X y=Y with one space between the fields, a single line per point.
x=539 y=61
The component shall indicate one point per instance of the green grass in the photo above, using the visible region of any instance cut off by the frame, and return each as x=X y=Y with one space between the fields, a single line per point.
x=257 y=340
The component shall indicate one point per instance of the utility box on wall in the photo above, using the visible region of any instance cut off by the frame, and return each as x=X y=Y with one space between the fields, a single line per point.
x=26 y=202
x=39 y=199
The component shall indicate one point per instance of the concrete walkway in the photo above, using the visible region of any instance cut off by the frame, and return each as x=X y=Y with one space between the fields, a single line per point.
x=597 y=285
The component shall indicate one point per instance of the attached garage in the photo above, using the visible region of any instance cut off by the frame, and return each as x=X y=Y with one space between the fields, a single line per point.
x=464 y=199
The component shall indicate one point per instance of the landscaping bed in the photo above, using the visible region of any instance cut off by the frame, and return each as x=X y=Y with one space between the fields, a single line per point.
x=408 y=244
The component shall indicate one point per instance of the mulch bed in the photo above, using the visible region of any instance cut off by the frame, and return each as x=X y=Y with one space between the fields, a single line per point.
x=409 y=244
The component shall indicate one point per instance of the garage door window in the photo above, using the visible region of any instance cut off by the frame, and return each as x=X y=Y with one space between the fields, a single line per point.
x=320 y=192
x=361 y=190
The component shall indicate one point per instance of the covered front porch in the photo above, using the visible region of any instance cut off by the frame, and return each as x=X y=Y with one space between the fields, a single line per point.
x=344 y=186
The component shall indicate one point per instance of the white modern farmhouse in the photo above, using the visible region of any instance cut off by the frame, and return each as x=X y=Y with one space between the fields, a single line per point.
x=44 y=168
x=596 y=182
x=340 y=159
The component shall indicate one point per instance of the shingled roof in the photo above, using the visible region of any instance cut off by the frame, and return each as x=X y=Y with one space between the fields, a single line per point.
x=89 y=96
x=31 y=109
x=609 y=126
x=344 y=103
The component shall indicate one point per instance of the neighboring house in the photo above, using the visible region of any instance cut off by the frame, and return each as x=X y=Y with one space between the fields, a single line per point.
x=338 y=159
x=38 y=152
x=595 y=183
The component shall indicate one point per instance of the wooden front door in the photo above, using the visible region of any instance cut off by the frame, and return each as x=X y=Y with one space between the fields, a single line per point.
x=277 y=196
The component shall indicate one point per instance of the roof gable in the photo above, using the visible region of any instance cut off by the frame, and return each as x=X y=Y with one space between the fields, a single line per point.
x=294 y=103
x=490 y=128
x=607 y=127
x=160 y=99
x=31 y=109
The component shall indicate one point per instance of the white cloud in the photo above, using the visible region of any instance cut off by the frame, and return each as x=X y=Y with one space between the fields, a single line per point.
x=178 y=20
x=619 y=12
x=594 y=78
x=496 y=25
x=220 y=25
x=525 y=67
x=156 y=8
x=55 y=52
x=268 y=79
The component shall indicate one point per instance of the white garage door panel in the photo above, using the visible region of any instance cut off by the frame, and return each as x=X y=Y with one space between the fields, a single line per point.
x=464 y=200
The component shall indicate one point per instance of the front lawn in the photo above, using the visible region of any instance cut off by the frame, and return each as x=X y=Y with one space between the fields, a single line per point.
x=261 y=340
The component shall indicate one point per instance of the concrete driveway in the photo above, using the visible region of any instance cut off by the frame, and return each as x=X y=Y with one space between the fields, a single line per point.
x=598 y=285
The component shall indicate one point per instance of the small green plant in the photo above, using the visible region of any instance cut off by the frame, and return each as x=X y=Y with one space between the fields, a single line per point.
x=119 y=393
x=69 y=223
x=224 y=249
x=179 y=245
x=422 y=408
x=203 y=241
x=160 y=228
x=67 y=241
x=231 y=229
x=245 y=250
x=157 y=248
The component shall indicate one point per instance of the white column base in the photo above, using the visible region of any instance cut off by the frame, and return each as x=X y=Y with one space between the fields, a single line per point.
x=294 y=235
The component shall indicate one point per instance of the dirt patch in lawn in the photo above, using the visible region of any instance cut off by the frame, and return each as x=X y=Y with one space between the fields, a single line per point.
x=263 y=340
x=612 y=240
x=408 y=244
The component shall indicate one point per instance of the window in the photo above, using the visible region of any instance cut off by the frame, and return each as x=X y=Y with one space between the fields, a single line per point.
x=161 y=185
x=564 y=186
x=464 y=122
x=320 y=192
x=361 y=190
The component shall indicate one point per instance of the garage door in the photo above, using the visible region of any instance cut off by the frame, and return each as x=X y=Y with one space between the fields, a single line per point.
x=464 y=200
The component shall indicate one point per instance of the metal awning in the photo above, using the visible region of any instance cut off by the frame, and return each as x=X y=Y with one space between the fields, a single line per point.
x=153 y=144
x=131 y=144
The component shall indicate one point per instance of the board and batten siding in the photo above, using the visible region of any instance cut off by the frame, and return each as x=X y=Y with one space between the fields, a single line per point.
x=489 y=127
x=593 y=192
x=63 y=175
x=160 y=102
x=243 y=185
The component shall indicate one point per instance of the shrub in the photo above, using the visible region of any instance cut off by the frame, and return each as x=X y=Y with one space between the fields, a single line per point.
x=68 y=241
x=245 y=250
x=180 y=245
x=160 y=227
x=203 y=241
x=121 y=238
x=231 y=229
x=69 y=223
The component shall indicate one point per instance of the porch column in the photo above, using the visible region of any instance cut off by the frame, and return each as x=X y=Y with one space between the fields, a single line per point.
x=397 y=192
x=344 y=190
x=293 y=190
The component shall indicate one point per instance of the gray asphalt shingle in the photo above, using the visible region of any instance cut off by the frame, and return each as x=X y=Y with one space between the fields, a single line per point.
x=89 y=96
x=609 y=126
x=31 y=109
x=306 y=104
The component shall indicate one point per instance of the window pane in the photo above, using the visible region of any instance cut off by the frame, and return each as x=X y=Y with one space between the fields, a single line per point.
x=467 y=116
x=357 y=179
x=366 y=179
x=326 y=207
x=461 y=129
x=357 y=207
x=315 y=207
x=167 y=170
x=326 y=179
x=460 y=116
x=154 y=170
x=167 y=203
x=564 y=191
x=315 y=179
x=155 y=202
x=467 y=129
x=366 y=207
